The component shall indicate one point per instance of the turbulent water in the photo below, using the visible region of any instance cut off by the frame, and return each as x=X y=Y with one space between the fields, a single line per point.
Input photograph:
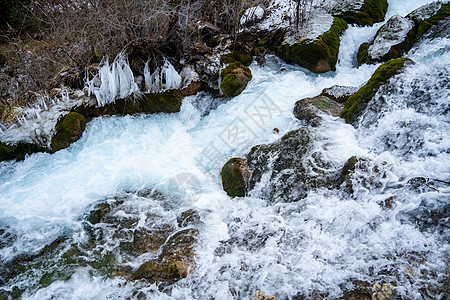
x=320 y=246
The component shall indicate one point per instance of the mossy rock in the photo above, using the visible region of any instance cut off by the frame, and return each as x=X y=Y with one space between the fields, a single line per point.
x=68 y=130
x=150 y=103
x=397 y=32
x=243 y=58
x=419 y=28
x=318 y=56
x=97 y=214
x=426 y=24
x=358 y=102
x=19 y=151
x=235 y=78
x=372 y=11
x=235 y=176
x=308 y=109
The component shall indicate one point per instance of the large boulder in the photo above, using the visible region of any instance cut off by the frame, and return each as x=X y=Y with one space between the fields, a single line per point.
x=400 y=34
x=68 y=130
x=318 y=55
x=235 y=78
x=357 y=103
x=364 y=13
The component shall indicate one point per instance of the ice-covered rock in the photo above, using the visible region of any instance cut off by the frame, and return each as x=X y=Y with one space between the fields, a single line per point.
x=392 y=33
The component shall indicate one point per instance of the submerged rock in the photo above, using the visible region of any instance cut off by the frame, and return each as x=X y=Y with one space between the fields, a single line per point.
x=317 y=55
x=358 y=102
x=235 y=78
x=235 y=177
x=362 y=173
x=68 y=130
x=308 y=109
x=361 y=12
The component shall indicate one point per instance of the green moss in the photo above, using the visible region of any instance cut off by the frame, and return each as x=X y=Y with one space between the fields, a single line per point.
x=425 y=25
x=235 y=78
x=317 y=56
x=359 y=100
x=150 y=103
x=19 y=151
x=68 y=130
x=234 y=179
x=372 y=11
x=243 y=58
x=363 y=54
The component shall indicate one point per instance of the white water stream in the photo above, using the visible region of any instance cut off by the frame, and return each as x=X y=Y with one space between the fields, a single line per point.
x=312 y=246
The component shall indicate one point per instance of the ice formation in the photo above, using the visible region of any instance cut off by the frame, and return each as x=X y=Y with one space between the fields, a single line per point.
x=116 y=81
x=164 y=78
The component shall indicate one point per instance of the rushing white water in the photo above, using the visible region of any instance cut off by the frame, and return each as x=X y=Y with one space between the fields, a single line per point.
x=318 y=246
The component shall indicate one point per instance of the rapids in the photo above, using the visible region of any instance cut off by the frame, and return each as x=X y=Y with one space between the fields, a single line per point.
x=315 y=246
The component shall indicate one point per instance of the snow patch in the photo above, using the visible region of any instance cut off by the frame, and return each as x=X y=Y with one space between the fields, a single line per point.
x=316 y=26
x=425 y=11
x=252 y=14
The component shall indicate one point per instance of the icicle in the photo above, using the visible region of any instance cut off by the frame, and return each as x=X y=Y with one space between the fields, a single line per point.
x=170 y=76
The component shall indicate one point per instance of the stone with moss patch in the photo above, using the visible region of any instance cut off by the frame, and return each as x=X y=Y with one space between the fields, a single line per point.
x=150 y=103
x=243 y=58
x=400 y=34
x=235 y=176
x=319 y=55
x=308 y=109
x=20 y=150
x=357 y=103
x=68 y=130
x=371 y=11
x=235 y=78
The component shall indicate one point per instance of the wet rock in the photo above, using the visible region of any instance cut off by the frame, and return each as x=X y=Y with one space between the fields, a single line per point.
x=358 y=102
x=260 y=296
x=393 y=39
x=339 y=93
x=308 y=109
x=400 y=34
x=283 y=172
x=9 y=151
x=365 y=14
x=360 y=172
x=235 y=78
x=188 y=218
x=235 y=176
x=150 y=240
x=68 y=130
x=175 y=261
x=318 y=55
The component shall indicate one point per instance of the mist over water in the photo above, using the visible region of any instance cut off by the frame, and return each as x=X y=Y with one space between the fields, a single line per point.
x=315 y=246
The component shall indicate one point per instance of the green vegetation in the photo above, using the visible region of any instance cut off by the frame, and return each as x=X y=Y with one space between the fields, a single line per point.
x=359 y=100
x=19 y=151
